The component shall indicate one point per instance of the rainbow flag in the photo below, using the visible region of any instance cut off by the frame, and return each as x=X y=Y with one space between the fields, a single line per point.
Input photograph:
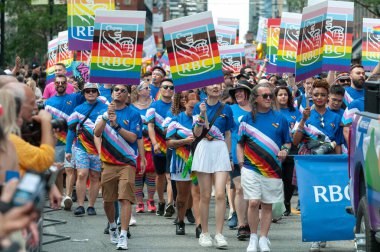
x=370 y=44
x=288 y=42
x=52 y=59
x=273 y=36
x=117 y=47
x=232 y=57
x=64 y=55
x=193 y=51
x=80 y=21
x=310 y=42
x=376 y=30
x=225 y=35
x=231 y=22
x=337 y=36
x=82 y=56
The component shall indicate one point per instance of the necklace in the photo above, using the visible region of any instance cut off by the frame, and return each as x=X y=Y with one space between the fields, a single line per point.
x=321 y=119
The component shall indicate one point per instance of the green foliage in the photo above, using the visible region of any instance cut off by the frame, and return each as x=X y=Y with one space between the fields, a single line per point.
x=28 y=29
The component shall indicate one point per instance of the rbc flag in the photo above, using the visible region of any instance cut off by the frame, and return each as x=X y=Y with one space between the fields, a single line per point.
x=323 y=191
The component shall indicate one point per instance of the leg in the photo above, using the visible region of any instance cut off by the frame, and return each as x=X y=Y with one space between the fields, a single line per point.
x=288 y=167
x=169 y=190
x=183 y=195
x=70 y=180
x=160 y=185
x=125 y=213
x=59 y=180
x=151 y=184
x=253 y=215
x=266 y=219
x=230 y=195
x=139 y=187
x=205 y=184
x=81 y=185
x=196 y=200
x=220 y=200
x=94 y=187
x=109 y=209
x=240 y=204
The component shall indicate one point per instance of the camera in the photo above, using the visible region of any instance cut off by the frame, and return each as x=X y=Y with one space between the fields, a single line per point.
x=324 y=148
x=59 y=123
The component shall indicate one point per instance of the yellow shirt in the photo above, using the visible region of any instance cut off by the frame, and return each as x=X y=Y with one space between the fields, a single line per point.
x=30 y=157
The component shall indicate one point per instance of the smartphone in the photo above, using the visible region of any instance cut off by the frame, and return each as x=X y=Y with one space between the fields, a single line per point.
x=30 y=189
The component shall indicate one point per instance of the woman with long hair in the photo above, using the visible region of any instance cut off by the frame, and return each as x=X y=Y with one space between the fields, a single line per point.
x=179 y=136
x=285 y=102
x=140 y=101
x=212 y=160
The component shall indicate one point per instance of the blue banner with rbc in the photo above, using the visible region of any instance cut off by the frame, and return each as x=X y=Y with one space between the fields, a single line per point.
x=323 y=192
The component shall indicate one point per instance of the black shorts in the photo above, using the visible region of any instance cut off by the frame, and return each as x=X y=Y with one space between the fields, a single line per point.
x=168 y=159
x=236 y=172
x=159 y=164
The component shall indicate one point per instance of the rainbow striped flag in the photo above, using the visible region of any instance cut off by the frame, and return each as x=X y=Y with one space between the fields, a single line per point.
x=376 y=30
x=82 y=56
x=310 y=43
x=225 y=35
x=273 y=36
x=64 y=55
x=288 y=42
x=193 y=51
x=80 y=21
x=231 y=22
x=117 y=47
x=52 y=59
x=370 y=44
x=232 y=57
x=337 y=36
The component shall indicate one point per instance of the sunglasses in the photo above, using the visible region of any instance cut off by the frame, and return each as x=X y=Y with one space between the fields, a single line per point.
x=319 y=94
x=60 y=82
x=122 y=90
x=88 y=91
x=344 y=80
x=266 y=96
x=168 y=87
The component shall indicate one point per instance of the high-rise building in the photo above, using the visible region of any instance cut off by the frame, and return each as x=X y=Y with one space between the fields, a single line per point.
x=181 y=8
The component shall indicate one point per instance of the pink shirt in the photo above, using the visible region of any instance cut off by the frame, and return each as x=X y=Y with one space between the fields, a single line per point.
x=50 y=90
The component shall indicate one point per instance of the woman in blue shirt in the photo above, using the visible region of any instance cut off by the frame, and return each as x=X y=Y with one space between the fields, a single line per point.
x=285 y=102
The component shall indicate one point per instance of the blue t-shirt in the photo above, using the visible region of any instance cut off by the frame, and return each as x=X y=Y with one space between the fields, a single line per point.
x=156 y=114
x=180 y=127
x=303 y=103
x=223 y=123
x=145 y=134
x=340 y=112
x=352 y=94
x=202 y=95
x=238 y=113
x=154 y=92
x=85 y=139
x=355 y=106
x=262 y=140
x=62 y=107
x=106 y=92
x=331 y=127
x=115 y=149
x=291 y=116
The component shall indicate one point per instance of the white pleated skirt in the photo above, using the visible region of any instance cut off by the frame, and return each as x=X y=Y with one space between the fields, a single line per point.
x=211 y=157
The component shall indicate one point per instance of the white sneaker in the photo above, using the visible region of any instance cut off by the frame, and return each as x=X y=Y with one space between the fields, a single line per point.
x=122 y=243
x=114 y=235
x=264 y=244
x=253 y=242
x=220 y=241
x=315 y=246
x=132 y=221
x=205 y=240
x=67 y=203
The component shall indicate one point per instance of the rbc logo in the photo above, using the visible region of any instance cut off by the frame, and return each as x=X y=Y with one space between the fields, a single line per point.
x=331 y=193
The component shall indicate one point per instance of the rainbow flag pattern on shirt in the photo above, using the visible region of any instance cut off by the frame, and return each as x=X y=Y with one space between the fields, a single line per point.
x=117 y=47
x=232 y=57
x=231 y=22
x=80 y=21
x=337 y=36
x=64 y=55
x=52 y=59
x=273 y=36
x=260 y=152
x=288 y=42
x=225 y=35
x=158 y=128
x=370 y=43
x=193 y=51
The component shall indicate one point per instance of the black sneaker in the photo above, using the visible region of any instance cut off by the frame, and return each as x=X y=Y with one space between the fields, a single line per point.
x=190 y=216
x=243 y=233
x=106 y=231
x=79 y=211
x=198 y=231
x=160 y=209
x=169 y=211
x=175 y=221
x=91 y=211
x=74 y=195
x=180 y=228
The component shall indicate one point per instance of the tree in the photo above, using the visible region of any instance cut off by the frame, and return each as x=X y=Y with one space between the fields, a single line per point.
x=28 y=29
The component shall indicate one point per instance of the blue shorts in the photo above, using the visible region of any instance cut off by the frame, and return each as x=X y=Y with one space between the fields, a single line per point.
x=83 y=160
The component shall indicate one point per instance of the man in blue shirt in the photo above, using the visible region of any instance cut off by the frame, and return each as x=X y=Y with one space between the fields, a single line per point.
x=355 y=91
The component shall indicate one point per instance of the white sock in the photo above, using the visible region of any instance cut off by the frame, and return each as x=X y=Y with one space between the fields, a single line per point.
x=113 y=225
x=123 y=232
x=253 y=235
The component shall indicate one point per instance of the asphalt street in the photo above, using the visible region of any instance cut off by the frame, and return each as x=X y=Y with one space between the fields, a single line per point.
x=156 y=233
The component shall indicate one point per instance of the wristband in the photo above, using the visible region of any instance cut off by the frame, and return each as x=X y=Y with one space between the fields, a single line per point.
x=117 y=127
x=105 y=116
x=286 y=148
